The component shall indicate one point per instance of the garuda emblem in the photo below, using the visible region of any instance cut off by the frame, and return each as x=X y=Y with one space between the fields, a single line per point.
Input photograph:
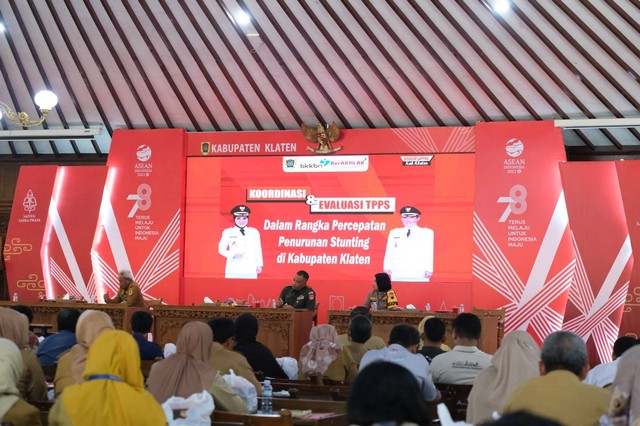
x=323 y=136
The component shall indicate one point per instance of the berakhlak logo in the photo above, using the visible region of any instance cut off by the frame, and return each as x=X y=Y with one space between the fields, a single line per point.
x=324 y=162
x=143 y=153
x=29 y=202
x=514 y=147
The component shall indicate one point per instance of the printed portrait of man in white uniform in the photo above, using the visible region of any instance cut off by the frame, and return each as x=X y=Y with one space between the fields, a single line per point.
x=409 y=253
x=241 y=246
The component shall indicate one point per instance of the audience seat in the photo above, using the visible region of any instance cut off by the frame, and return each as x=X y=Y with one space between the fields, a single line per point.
x=455 y=397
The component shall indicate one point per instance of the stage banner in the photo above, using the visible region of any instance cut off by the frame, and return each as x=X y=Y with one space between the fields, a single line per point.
x=628 y=177
x=412 y=141
x=68 y=234
x=523 y=257
x=140 y=221
x=26 y=227
x=603 y=253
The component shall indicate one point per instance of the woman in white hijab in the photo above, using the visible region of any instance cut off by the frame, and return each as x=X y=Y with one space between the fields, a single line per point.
x=515 y=361
x=13 y=409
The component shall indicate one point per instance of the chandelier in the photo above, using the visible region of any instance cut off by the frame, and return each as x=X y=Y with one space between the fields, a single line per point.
x=45 y=100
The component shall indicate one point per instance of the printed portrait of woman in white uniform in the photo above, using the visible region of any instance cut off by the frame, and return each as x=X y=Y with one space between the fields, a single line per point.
x=241 y=246
x=409 y=253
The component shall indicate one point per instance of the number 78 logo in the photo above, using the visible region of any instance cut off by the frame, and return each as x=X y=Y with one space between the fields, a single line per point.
x=142 y=198
x=516 y=202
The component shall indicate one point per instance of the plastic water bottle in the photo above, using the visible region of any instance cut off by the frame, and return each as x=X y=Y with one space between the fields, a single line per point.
x=374 y=306
x=267 y=394
x=461 y=308
x=428 y=307
x=15 y=297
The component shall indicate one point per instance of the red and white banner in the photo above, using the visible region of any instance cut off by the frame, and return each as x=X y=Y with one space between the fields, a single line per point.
x=26 y=227
x=66 y=244
x=603 y=251
x=523 y=258
x=628 y=177
x=140 y=220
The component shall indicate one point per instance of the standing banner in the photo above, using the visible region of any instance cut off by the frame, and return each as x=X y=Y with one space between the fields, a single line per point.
x=26 y=227
x=68 y=234
x=523 y=257
x=603 y=252
x=628 y=177
x=140 y=221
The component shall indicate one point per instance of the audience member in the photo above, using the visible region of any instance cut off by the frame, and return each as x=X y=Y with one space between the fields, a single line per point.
x=15 y=327
x=385 y=393
x=71 y=364
x=624 y=406
x=443 y=346
x=324 y=356
x=141 y=322
x=521 y=418
x=403 y=343
x=374 y=342
x=55 y=344
x=515 y=361
x=13 y=410
x=223 y=358
x=187 y=372
x=462 y=365
x=113 y=389
x=433 y=337
x=260 y=357
x=25 y=310
x=359 y=334
x=559 y=393
x=381 y=296
x=602 y=375
x=298 y=294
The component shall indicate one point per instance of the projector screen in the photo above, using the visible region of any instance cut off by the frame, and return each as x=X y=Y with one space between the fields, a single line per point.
x=338 y=217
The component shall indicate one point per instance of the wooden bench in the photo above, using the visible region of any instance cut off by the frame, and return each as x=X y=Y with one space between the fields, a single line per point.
x=282 y=418
x=312 y=391
x=455 y=397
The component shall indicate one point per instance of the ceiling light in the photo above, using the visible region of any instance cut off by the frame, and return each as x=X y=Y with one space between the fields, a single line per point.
x=242 y=18
x=501 y=6
x=45 y=100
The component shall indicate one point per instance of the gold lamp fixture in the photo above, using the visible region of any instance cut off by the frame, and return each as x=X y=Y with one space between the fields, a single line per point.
x=45 y=100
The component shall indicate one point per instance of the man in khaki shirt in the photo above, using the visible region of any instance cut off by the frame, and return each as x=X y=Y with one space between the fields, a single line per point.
x=374 y=342
x=129 y=291
x=223 y=358
x=558 y=393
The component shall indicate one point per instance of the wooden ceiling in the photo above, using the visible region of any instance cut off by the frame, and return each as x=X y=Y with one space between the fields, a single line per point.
x=193 y=64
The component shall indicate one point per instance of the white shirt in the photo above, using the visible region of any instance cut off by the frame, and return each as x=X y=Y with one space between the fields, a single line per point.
x=415 y=363
x=459 y=366
x=602 y=374
x=243 y=252
x=409 y=257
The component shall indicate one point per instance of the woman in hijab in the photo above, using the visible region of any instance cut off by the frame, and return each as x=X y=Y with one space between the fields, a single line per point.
x=71 y=363
x=113 y=389
x=13 y=409
x=324 y=356
x=187 y=372
x=515 y=361
x=624 y=407
x=15 y=327
x=381 y=297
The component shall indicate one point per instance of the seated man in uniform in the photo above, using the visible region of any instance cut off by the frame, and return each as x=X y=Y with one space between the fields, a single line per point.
x=129 y=291
x=298 y=295
x=374 y=342
x=558 y=393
